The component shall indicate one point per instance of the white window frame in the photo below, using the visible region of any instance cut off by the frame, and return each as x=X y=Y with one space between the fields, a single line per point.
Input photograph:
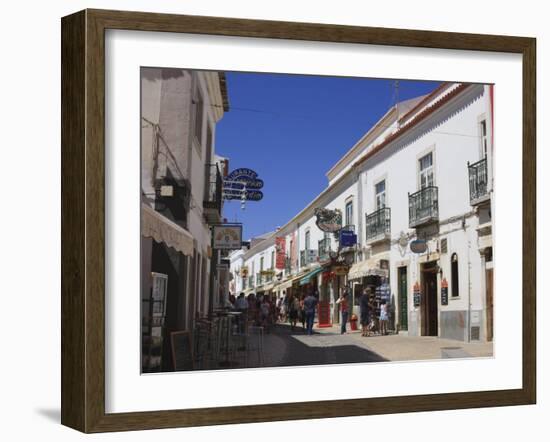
x=419 y=172
x=385 y=193
x=483 y=139
x=349 y=202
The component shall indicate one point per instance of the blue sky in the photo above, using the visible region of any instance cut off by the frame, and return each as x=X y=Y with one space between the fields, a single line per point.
x=291 y=129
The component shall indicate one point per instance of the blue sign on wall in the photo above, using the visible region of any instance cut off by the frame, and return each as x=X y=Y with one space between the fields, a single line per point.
x=241 y=183
x=347 y=238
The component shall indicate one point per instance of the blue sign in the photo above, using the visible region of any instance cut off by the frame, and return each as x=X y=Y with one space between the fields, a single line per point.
x=347 y=238
x=250 y=195
x=241 y=178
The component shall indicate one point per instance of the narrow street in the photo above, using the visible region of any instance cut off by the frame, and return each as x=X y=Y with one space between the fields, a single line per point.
x=283 y=346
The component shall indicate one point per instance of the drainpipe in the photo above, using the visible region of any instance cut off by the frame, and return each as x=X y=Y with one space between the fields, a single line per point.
x=359 y=212
x=469 y=294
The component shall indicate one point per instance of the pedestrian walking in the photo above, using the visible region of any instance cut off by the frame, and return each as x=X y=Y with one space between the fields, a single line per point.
x=309 y=308
x=265 y=310
x=364 y=312
x=302 y=314
x=241 y=305
x=294 y=310
x=384 y=318
x=344 y=310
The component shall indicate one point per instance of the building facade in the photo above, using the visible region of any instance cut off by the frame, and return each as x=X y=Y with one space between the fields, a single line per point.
x=181 y=197
x=417 y=191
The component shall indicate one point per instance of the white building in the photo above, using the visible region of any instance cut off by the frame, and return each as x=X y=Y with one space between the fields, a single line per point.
x=422 y=174
x=181 y=184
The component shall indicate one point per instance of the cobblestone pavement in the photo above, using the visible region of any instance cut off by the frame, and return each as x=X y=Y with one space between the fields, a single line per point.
x=286 y=347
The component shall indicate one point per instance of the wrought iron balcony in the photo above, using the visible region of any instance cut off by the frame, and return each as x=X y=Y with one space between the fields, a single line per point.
x=423 y=206
x=477 y=173
x=324 y=249
x=212 y=202
x=378 y=225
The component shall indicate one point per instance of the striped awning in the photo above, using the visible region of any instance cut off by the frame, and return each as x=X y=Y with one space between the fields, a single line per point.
x=161 y=229
x=307 y=279
x=365 y=268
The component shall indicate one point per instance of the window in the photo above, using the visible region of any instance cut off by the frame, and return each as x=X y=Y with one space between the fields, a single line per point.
x=483 y=135
x=426 y=174
x=380 y=194
x=307 y=240
x=454 y=275
x=273 y=259
x=349 y=213
x=261 y=263
x=199 y=109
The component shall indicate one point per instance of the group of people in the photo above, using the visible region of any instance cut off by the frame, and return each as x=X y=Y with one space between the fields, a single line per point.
x=298 y=308
x=261 y=310
x=258 y=310
x=373 y=316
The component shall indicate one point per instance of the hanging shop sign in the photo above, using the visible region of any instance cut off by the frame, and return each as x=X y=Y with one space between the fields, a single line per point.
x=227 y=236
x=347 y=238
x=444 y=292
x=417 y=295
x=280 y=246
x=244 y=272
x=341 y=270
x=268 y=272
x=241 y=184
x=418 y=246
x=328 y=220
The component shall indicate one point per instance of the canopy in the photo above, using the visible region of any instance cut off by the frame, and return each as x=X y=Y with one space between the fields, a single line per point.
x=161 y=229
x=365 y=268
x=306 y=279
x=288 y=283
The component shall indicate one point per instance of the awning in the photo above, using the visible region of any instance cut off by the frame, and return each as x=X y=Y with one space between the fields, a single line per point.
x=365 y=268
x=288 y=283
x=306 y=279
x=161 y=229
x=267 y=287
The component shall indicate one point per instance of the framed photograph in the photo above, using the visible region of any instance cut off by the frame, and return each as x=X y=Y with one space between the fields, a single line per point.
x=249 y=205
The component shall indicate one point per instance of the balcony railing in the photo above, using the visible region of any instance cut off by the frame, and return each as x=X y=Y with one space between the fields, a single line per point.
x=423 y=206
x=478 y=181
x=378 y=225
x=213 y=192
x=324 y=249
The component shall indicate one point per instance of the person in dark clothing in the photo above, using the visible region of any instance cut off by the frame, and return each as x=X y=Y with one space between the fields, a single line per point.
x=344 y=311
x=309 y=308
x=364 y=306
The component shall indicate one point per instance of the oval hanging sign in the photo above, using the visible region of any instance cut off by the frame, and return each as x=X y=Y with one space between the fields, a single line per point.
x=418 y=246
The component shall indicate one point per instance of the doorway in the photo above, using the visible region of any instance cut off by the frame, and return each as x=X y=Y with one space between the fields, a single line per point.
x=489 y=303
x=402 y=293
x=429 y=307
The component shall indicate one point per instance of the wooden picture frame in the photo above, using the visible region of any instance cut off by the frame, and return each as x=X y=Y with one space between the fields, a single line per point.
x=83 y=220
